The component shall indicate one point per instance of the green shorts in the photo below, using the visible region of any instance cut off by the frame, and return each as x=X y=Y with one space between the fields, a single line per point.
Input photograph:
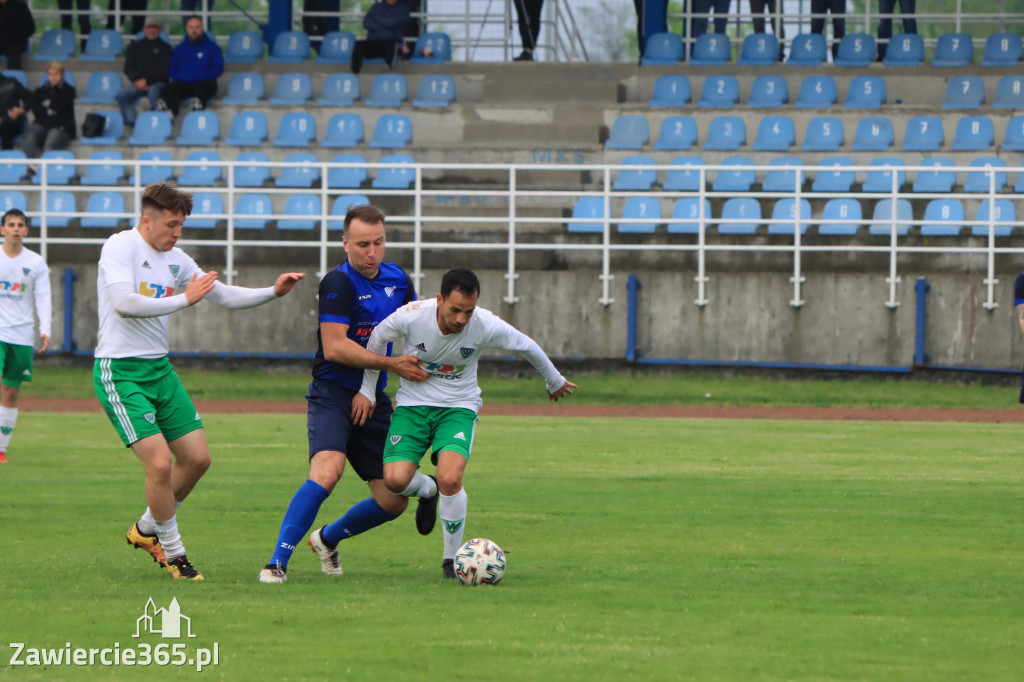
x=143 y=397
x=15 y=364
x=414 y=430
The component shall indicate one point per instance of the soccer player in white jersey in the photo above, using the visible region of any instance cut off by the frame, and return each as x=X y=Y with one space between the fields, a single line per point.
x=143 y=278
x=24 y=287
x=440 y=413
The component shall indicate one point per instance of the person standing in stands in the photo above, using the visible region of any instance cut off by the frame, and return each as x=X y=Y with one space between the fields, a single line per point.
x=907 y=9
x=53 y=106
x=757 y=8
x=136 y=6
x=196 y=64
x=838 y=10
x=699 y=24
x=146 y=63
x=528 y=12
x=83 y=9
x=16 y=27
x=385 y=24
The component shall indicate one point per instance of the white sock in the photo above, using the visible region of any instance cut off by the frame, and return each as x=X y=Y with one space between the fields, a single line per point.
x=8 y=416
x=147 y=523
x=170 y=540
x=420 y=486
x=452 y=511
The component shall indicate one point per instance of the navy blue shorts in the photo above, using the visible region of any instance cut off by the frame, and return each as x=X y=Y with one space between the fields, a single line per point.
x=329 y=427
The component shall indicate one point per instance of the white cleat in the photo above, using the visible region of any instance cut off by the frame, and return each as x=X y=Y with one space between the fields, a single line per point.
x=273 y=573
x=329 y=563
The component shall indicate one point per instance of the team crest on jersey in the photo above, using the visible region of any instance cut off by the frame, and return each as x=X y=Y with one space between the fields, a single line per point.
x=466 y=352
x=150 y=417
x=395 y=440
x=391 y=290
x=173 y=269
x=25 y=271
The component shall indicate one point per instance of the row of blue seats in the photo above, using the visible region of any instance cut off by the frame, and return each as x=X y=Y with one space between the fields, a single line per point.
x=742 y=215
x=819 y=92
x=811 y=49
x=823 y=133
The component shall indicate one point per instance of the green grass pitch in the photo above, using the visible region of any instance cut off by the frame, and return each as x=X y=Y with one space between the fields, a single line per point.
x=637 y=550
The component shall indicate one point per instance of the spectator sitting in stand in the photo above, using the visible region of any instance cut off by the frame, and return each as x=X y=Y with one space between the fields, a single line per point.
x=14 y=100
x=196 y=64
x=16 y=27
x=53 y=106
x=146 y=63
x=385 y=33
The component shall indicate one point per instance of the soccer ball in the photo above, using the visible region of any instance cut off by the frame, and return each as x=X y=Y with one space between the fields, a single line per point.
x=480 y=562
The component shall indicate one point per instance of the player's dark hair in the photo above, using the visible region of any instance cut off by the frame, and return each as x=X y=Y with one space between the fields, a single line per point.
x=166 y=197
x=462 y=279
x=17 y=213
x=371 y=215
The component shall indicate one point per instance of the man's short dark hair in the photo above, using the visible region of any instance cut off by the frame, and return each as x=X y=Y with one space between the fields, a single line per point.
x=17 y=213
x=371 y=215
x=462 y=279
x=166 y=197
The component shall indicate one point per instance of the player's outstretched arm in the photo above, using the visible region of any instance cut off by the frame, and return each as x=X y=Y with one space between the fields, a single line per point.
x=199 y=286
x=567 y=388
x=286 y=281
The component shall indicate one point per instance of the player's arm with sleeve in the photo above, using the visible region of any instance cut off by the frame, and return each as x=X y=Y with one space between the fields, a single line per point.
x=1018 y=299
x=386 y=332
x=43 y=303
x=235 y=297
x=116 y=266
x=506 y=337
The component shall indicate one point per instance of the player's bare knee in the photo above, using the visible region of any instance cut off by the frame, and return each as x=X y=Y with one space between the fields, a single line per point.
x=159 y=471
x=396 y=481
x=449 y=482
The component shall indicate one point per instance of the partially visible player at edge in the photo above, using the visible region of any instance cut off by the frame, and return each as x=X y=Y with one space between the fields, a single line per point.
x=440 y=414
x=25 y=284
x=354 y=298
x=143 y=278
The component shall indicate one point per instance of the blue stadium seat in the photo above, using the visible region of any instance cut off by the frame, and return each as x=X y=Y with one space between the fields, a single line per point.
x=923 y=134
x=904 y=50
x=336 y=48
x=103 y=210
x=856 y=49
x=775 y=133
x=807 y=49
x=817 y=92
x=151 y=173
x=587 y=208
x=711 y=49
x=978 y=181
x=663 y=49
x=1009 y=93
x=56 y=45
x=392 y=131
x=684 y=175
x=759 y=49
x=102 y=45
x=253 y=211
x=206 y=205
x=305 y=175
x=824 y=134
x=686 y=216
x=671 y=90
x=726 y=133
x=346 y=178
x=740 y=215
x=782 y=176
x=639 y=179
x=847 y=211
x=292 y=90
x=59 y=171
x=101 y=88
x=784 y=218
x=13 y=167
x=1019 y=187
x=255 y=174
x=964 y=92
x=435 y=44
x=9 y=200
x=1014 y=140
x=341 y=205
x=203 y=175
x=953 y=49
x=874 y=134
x=719 y=92
x=388 y=90
x=881 y=180
x=113 y=130
x=884 y=217
x=1003 y=212
x=866 y=92
x=943 y=218
x=151 y=128
x=738 y=180
x=106 y=174
x=629 y=131
x=244 y=47
x=290 y=47
x=838 y=180
x=677 y=133
x=973 y=134
x=16 y=74
x=343 y=130
x=296 y=129
x=303 y=211
x=199 y=129
x=340 y=90
x=245 y=87
x=637 y=209
x=435 y=90
x=768 y=92
x=395 y=176
x=56 y=203
x=1002 y=49
x=938 y=180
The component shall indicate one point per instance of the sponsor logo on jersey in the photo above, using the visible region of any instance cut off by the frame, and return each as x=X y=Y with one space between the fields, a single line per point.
x=459 y=436
x=155 y=290
x=26 y=373
x=442 y=370
x=391 y=290
x=150 y=417
x=145 y=264
x=364 y=297
x=11 y=286
x=466 y=352
x=174 y=269
x=421 y=347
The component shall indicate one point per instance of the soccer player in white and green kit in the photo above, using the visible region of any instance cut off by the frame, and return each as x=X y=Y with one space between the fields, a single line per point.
x=440 y=413
x=24 y=288
x=143 y=278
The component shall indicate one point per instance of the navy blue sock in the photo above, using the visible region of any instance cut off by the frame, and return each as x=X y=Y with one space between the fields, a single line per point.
x=360 y=518
x=298 y=519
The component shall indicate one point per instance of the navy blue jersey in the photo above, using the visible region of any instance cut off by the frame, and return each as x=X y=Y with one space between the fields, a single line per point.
x=349 y=298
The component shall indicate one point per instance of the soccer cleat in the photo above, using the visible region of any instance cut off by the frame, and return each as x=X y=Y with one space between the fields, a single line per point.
x=197 y=104
x=448 y=569
x=274 y=573
x=150 y=543
x=3 y=458
x=329 y=563
x=426 y=512
x=181 y=567
x=161 y=105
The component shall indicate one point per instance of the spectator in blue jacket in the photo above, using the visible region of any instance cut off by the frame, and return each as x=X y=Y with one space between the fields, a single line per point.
x=385 y=33
x=195 y=66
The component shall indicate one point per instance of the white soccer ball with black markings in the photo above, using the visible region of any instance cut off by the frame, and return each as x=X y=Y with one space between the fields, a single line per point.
x=480 y=562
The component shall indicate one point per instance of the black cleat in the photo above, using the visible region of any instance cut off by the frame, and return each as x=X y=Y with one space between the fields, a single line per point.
x=426 y=512
x=448 y=569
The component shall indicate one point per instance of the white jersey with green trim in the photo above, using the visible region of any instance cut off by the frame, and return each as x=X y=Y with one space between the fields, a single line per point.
x=450 y=359
x=127 y=258
x=24 y=289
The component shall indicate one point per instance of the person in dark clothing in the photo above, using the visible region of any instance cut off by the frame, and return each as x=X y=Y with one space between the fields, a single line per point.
x=16 y=27
x=757 y=8
x=136 y=6
x=385 y=33
x=907 y=9
x=838 y=10
x=53 y=106
x=84 y=20
x=146 y=63
x=14 y=100
x=528 y=12
x=195 y=66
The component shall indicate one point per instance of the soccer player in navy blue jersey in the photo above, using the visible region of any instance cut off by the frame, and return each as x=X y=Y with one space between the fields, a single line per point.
x=354 y=298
